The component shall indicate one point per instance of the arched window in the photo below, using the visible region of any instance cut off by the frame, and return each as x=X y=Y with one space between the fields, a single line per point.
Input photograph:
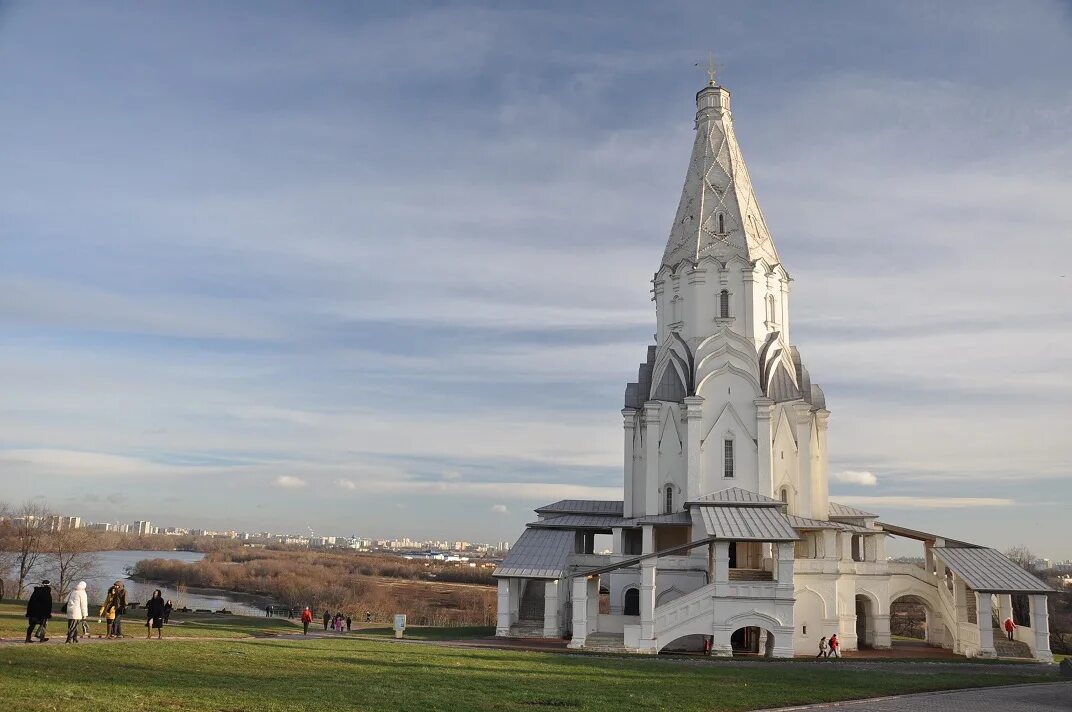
x=770 y=308
x=632 y=602
x=668 y=493
x=675 y=309
x=785 y=495
x=724 y=304
x=721 y=224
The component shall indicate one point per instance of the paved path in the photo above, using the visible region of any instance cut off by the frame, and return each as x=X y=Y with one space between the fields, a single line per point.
x=1046 y=697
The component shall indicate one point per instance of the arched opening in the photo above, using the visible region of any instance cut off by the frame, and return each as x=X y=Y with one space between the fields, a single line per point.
x=632 y=602
x=910 y=618
x=752 y=641
x=531 y=608
x=865 y=622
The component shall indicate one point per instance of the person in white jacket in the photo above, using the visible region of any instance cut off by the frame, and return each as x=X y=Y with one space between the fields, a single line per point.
x=77 y=611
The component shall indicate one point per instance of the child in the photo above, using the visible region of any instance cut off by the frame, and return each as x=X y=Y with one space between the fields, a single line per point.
x=109 y=610
x=824 y=650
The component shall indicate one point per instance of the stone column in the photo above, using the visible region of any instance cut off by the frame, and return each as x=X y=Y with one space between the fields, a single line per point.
x=802 y=428
x=580 y=612
x=983 y=608
x=651 y=458
x=593 y=604
x=502 y=623
x=647 y=604
x=629 y=431
x=694 y=477
x=720 y=645
x=880 y=548
x=551 y=627
x=1040 y=624
x=763 y=443
x=515 y=600
x=882 y=639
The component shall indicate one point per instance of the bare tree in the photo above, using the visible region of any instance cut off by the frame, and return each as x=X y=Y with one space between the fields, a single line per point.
x=27 y=528
x=6 y=555
x=1021 y=605
x=1022 y=557
x=70 y=554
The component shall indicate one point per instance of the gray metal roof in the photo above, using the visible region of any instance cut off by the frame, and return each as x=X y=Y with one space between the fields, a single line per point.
x=843 y=510
x=538 y=553
x=988 y=570
x=675 y=518
x=747 y=524
x=918 y=535
x=806 y=523
x=583 y=521
x=737 y=497
x=584 y=506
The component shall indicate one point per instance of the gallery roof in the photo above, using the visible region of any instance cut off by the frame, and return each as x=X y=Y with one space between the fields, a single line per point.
x=747 y=524
x=988 y=570
x=538 y=553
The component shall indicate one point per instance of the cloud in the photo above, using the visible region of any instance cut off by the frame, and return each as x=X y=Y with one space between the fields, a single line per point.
x=904 y=502
x=856 y=477
x=500 y=509
x=346 y=484
x=289 y=482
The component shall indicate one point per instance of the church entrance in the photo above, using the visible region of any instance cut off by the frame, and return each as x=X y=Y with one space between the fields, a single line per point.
x=752 y=640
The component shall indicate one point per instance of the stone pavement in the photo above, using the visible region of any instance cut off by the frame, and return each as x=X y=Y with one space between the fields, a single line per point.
x=1045 y=697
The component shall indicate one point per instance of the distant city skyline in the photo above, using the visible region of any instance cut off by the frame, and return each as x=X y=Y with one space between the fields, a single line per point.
x=322 y=265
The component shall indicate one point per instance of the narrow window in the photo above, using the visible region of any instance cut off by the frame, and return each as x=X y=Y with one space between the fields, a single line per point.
x=727 y=462
x=785 y=495
x=675 y=309
x=724 y=304
x=721 y=224
x=669 y=506
x=770 y=308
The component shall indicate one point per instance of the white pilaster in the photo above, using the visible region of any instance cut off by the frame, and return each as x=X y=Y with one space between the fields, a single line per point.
x=803 y=430
x=647 y=604
x=652 y=420
x=763 y=444
x=820 y=491
x=693 y=419
x=629 y=433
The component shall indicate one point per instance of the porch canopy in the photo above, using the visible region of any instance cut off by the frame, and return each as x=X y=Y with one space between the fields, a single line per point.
x=989 y=571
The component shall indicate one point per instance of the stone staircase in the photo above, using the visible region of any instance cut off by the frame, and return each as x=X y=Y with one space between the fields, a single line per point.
x=527 y=629
x=605 y=643
x=1006 y=648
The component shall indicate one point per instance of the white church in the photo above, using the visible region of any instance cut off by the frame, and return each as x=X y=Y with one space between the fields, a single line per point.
x=725 y=538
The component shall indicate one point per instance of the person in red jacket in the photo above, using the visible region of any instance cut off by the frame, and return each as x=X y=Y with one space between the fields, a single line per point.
x=835 y=646
x=1010 y=627
x=306 y=619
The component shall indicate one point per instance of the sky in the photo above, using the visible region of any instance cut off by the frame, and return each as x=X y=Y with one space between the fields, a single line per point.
x=384 y=268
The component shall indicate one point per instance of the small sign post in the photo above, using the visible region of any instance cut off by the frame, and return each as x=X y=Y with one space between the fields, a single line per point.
x=400 y=624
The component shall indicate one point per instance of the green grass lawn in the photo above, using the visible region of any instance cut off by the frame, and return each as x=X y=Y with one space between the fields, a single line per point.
x=344 y=673
x=183 y=625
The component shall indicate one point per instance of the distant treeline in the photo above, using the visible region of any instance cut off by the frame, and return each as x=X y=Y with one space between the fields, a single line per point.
x=348 y=581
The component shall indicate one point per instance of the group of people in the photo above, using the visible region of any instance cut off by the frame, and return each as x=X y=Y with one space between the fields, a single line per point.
x=829 y=648
x=338 y=622
x=76 y=607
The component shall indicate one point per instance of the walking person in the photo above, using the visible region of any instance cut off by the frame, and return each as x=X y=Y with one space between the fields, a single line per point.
x=38 y=611
x=77 y=612
x=368 y=616
x=306 y=619
x=168 y=607
x=348 y=622
x=327 y=620
x=835 y=647
x=824 y=648
x=1010 y=627
x=154 y=615
x=267 y=611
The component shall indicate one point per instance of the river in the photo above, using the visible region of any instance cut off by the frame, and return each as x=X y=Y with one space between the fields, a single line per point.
x=113 y=565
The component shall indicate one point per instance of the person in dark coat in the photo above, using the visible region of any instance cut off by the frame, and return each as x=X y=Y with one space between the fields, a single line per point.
x=38 y=611
x=349 y=620
x=168 y=607
x=154 y=615
x=327 y=619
